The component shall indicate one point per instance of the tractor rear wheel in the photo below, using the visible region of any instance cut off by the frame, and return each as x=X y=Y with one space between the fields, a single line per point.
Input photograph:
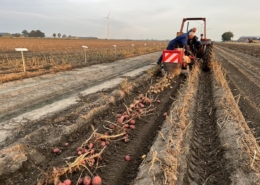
x=207 y=58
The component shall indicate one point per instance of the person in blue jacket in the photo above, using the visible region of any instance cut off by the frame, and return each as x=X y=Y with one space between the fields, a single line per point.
x=180 y=41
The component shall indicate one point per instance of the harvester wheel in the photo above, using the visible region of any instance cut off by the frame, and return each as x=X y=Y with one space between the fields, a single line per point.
x=207 y=57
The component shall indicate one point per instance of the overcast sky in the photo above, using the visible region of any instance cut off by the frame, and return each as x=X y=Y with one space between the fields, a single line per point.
x=130 y=19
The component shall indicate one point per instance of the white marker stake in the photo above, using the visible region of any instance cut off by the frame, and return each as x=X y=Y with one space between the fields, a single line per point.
x=115 y=50
x=85 y=48
x=22 y=50
x=145 y=48
x=133 y=47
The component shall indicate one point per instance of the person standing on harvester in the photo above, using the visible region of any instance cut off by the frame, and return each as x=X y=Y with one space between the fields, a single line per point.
x=180 y=41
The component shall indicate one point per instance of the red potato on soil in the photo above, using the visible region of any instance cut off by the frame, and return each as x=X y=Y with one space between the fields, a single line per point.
x=132 y=122
x=165 y=114
x=126 y=139
x=67 y=182
x=121 y=119
x=118 y=115
x=127 y=158
x=125 y=126
x=66 y=144
x=56 y=150
x=132 y=127
x=87 y=180
x=96 y=180
x=158 y=101
x=111 y=126
x=103 y=143
x=141 y=105
x=79 y=149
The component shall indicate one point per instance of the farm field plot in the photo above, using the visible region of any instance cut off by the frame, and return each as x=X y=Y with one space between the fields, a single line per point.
x=53 y=55
x=128 y=127
x=252 y=49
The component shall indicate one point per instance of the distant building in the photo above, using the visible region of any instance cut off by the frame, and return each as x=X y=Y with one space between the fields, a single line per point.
x=5 y=35
x=246 y=38
x=72 y=37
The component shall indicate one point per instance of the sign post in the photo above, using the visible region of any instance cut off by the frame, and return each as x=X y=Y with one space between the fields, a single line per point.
x=133 y=47
x=22 y=50
x=115 y=50
x=85 y=48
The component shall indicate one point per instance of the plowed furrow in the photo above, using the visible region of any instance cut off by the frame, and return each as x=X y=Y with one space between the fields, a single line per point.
x=241 y=55
x=248 y=64
x=204 y=162
x=239 y=76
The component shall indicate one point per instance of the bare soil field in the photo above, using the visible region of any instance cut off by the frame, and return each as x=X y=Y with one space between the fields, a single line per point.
x=119 y=122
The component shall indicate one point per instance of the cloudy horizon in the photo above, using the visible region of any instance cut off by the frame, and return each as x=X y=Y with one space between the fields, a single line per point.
x=133 y=19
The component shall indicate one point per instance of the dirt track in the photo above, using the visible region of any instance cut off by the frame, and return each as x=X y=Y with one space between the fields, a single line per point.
x=205 y=139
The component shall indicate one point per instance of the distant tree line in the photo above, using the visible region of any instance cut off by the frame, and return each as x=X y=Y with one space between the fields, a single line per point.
x=59 y=35
x=33 y=33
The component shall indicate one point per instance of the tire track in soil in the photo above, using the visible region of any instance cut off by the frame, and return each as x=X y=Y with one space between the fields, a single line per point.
x=205 y=163
x=242 y=86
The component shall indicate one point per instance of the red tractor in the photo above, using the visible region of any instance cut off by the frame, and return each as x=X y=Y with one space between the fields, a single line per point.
x=201 y=51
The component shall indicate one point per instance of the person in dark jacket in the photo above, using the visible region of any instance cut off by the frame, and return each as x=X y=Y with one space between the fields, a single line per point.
x=180 y=41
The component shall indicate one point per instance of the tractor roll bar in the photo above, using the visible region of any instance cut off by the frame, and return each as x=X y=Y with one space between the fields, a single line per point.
x=194 y=19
